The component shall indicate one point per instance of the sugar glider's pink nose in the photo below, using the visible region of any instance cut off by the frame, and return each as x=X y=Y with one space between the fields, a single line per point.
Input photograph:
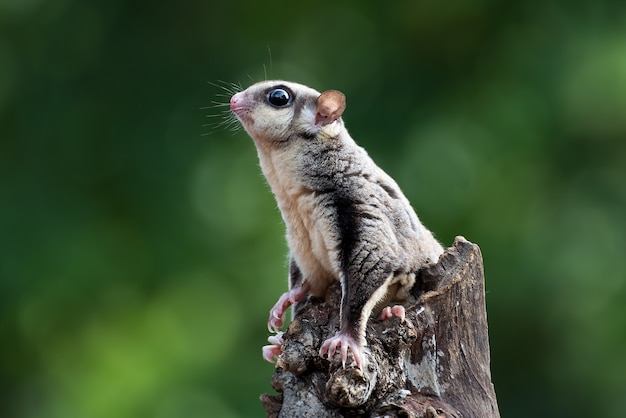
x=236 y=102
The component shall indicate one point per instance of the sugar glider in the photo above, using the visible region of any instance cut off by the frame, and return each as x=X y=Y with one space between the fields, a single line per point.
x=346 y=219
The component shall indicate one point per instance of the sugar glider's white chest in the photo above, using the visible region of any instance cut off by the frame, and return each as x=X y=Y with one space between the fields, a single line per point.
x=311 y=237
x=312 y=241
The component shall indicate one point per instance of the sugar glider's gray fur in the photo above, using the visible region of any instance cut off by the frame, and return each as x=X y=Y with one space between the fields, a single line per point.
x=346 y=218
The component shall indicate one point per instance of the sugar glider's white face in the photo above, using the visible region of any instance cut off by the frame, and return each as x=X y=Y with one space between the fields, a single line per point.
x=276 y=111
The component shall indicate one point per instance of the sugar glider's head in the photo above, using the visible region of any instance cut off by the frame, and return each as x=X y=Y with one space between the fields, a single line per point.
x=275 y=112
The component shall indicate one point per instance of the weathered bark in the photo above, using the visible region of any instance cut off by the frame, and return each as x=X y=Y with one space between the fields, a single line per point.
x=434 y=364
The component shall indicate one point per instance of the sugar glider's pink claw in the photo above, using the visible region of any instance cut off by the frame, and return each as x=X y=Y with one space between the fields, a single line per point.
x=276 y=313
x=345 y=342
x=391 y=311
x=274 y=349
x=295 y=295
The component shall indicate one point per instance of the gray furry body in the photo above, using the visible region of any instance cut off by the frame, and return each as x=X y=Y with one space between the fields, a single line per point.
x=348 y=220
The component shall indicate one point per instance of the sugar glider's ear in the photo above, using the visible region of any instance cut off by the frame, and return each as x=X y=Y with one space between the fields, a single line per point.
x=330 y=107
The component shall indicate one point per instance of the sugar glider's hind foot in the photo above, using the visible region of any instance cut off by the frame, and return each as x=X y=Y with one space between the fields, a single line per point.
x=275 y=348
x=345 y=342
x=391 y=311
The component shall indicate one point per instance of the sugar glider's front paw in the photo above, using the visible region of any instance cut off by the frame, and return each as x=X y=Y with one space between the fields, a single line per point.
x=295 y=295
x=274 y=349
x=277 y=312
x=345 y=342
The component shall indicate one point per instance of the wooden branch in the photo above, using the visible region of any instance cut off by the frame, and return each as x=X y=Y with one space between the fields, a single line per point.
x=433 y=364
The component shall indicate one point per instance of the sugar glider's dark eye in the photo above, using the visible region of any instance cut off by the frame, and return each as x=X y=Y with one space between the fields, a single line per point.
x=279 y=97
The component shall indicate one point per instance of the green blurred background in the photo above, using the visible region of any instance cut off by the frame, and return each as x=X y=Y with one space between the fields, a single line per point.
x=139 y=257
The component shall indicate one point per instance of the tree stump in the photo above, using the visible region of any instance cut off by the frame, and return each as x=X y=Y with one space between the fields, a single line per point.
x=435 y=363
